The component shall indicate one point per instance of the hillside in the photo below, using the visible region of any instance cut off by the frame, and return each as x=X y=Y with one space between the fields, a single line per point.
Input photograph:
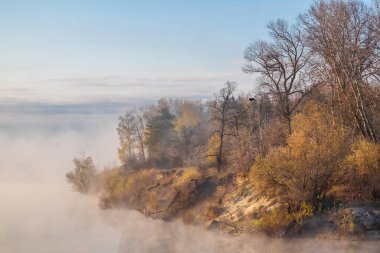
x=228 y=203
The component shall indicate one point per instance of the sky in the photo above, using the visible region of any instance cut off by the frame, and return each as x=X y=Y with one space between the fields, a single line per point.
x=75 y=51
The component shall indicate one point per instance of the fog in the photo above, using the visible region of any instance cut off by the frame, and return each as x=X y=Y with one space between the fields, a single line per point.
x=39 y=212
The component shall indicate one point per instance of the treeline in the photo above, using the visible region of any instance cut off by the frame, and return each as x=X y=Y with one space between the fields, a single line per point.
x=309 y=133
x=314 y=115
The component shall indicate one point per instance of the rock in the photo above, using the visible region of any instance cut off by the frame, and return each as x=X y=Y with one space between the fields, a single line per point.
x=366 y=218
x=214 y=224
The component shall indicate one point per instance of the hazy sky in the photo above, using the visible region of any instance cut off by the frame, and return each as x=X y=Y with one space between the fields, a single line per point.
x=90 y=50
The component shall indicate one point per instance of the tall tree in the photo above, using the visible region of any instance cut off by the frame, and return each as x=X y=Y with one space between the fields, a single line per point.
x=280 y=64
x=344 y=38
x=223 y=118
x=187 y=124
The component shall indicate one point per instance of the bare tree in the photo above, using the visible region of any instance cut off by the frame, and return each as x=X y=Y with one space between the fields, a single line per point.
x=223 y=117
x=343 y=36
x=280 y=64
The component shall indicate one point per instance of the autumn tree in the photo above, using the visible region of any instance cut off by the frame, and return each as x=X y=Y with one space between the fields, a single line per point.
x=190 y=127
x=131 y=137
x=280 y=64
x=344 y=39
x=224 y=121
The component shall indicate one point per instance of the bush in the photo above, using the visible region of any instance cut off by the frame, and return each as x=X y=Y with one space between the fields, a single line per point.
x=84 y=174
x=112 y=185
x=121 y=188
x=305 y=169
x=345 y=222
x=280 y=219
x=362 y=171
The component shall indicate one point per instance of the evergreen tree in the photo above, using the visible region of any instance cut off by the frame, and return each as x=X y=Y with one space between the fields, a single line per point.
x=160 y=135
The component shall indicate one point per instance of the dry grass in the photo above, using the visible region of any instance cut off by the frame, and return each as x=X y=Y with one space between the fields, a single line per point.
x=118 y=187
x=188 y=175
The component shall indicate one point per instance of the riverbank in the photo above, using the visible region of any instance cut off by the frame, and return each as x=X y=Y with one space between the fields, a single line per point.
x=227 y=202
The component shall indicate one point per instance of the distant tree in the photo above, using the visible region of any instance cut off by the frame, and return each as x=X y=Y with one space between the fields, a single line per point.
x=131 y=136
x=280 y=64
x=160 y=135
x=187 y=124
x=84 y=174
x=126 y=137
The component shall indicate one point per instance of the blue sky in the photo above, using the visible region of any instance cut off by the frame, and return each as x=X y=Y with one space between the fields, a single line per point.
x=89 y=50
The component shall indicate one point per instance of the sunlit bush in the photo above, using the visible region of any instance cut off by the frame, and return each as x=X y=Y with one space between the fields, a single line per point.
x=362 y=170
x=278 y=220
x=304 y=170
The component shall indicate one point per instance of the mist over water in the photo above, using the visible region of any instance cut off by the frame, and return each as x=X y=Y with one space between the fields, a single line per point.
x=38 y=210
x=40 y=213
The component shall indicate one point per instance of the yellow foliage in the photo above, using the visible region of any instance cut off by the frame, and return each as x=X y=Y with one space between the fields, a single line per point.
x=212 y=149
x=113 y=182
x=188 y=174
x=362 y=170
x=278 y=219
x=346 y=222
x=273 y=221
x=365 y=157
x=316 y=140
x=122 y=151
x=305 y=210
x=123 y=188
x=189 y=117
x=303 y=170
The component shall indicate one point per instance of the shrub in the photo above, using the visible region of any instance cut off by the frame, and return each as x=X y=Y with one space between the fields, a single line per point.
x=138 y=183
x=113 y=185
x=362 y=170
x=83 y=176
x=274 y=221
x=121 y=188
x=280 y=219
x=304 y=170
x=188 y=175
x=345 y=222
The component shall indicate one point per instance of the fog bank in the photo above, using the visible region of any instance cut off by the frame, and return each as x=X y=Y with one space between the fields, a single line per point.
x=40 y=213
